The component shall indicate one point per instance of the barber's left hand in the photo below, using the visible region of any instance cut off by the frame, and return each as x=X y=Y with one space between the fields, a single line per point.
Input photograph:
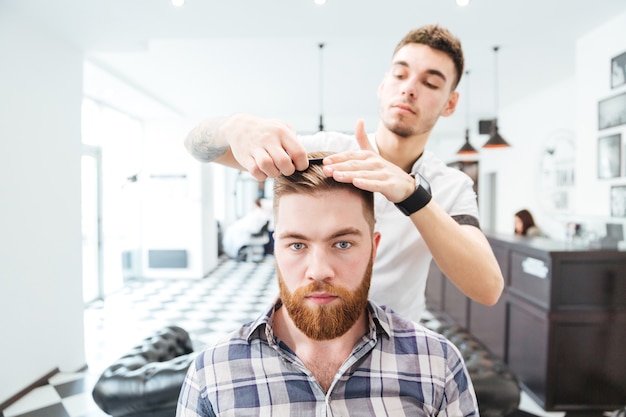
x=369 y=171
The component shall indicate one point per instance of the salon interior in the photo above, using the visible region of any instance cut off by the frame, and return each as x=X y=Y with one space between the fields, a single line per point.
x=110 y=230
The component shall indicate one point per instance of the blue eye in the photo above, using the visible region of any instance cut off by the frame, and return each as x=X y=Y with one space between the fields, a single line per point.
x=343 y=245
x=297 y=246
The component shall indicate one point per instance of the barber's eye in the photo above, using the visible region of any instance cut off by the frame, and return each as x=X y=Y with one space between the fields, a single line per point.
x=399 y=74
x=343 y=245
x=297 y=246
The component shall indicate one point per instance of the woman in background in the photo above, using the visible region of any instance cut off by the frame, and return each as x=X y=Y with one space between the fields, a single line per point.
x=525 y=224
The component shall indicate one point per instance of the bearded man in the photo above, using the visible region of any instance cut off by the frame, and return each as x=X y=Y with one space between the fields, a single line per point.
x=323 y=348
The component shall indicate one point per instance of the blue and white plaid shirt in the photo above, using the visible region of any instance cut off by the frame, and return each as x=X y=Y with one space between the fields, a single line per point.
x=398 y=369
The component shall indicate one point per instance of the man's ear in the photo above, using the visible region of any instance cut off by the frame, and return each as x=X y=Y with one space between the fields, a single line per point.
x=375 y=243
x=450 y=106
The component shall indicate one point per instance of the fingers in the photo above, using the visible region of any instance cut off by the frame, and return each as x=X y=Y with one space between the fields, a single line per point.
x=297 y=156
x=364 y=145
x=394 y=184
x=361 y=136
x=272 y=150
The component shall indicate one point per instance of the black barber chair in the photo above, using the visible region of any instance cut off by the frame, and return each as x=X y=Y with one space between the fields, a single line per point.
x=146 y=381
x=498 y=391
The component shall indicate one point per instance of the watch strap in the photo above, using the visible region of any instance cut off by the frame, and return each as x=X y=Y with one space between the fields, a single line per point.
x=420 y=197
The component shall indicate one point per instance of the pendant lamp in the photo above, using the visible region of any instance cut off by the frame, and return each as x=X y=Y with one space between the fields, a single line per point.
x=495 y=140
x=467 y=148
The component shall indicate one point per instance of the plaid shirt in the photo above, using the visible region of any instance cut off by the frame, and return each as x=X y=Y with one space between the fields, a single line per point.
x=398 y=369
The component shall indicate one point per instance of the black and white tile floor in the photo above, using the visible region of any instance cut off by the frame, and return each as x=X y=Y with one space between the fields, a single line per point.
x=233 y=293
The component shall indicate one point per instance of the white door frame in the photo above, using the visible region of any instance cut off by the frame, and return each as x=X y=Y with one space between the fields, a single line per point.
x=96 y=153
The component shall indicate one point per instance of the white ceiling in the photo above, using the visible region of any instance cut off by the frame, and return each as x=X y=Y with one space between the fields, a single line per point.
x=262 y=56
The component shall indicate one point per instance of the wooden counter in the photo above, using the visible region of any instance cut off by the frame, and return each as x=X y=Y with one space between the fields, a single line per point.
x=560 y=324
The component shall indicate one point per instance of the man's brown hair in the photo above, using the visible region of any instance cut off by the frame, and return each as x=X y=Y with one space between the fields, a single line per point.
x=313 y=181
x=438 y=38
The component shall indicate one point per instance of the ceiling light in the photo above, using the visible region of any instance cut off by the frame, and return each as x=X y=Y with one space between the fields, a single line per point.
x=462 y=3
x=319 y=2
x=495 y=140
x=467 y=148
x=178 y=3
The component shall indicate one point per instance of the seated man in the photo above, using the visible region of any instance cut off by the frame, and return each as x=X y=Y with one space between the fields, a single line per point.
x=248 y=230
x=322 y=348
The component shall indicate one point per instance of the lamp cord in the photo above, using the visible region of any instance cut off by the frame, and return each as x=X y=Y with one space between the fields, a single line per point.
x=495 y=77
x=321 y=86
x=467 y=105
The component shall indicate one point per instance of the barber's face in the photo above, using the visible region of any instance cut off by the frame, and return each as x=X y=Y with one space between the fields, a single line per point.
x=324 y=250
x=417 y=90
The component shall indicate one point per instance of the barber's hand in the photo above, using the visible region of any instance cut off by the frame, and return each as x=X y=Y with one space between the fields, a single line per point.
x=264 y=147
x=369 y=171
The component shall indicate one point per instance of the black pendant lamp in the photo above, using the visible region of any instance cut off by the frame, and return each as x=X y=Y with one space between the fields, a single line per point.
x=495 y=140
x=467 y=148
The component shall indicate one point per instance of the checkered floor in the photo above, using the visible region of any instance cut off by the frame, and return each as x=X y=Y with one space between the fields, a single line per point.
x=235 y=292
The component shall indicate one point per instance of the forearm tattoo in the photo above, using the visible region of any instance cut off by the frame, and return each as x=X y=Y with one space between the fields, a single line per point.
x=202 y=142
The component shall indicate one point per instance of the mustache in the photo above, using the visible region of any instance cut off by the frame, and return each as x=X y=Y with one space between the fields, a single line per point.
x=320 y=286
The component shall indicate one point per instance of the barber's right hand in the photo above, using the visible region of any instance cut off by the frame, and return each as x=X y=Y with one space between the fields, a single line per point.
x=265 y=148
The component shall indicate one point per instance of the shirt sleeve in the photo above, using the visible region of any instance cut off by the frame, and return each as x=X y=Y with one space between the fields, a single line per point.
x=460 y=398
x=453 y=191
x=328 y=141
x=190 y=401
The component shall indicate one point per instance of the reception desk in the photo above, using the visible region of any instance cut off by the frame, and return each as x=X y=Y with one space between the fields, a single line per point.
x=560 y=324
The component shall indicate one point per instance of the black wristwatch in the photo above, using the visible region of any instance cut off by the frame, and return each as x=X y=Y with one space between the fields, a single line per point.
x=420 y=197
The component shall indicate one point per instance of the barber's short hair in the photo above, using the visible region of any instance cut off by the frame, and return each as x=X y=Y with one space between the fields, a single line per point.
x=313 y=181
x=438 y=38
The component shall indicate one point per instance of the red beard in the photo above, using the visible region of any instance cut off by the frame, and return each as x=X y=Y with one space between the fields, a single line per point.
x=326 y=322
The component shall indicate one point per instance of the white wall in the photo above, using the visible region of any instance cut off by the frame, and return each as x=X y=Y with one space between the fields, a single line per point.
x=41 y=320
x=177 y=209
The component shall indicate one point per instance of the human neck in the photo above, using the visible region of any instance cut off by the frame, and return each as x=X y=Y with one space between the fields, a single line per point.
x=322 y=358
x=401 y=151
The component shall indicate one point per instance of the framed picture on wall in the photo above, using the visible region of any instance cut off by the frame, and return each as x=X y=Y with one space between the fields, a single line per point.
x=618 y=70
x=609 y=156
x=618 y=201
x=612 y=111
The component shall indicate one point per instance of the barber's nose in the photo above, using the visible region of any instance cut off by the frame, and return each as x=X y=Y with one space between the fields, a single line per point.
x=408 y=88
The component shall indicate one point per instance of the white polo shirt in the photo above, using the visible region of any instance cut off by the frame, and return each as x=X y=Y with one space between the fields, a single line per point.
x=403 y=259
